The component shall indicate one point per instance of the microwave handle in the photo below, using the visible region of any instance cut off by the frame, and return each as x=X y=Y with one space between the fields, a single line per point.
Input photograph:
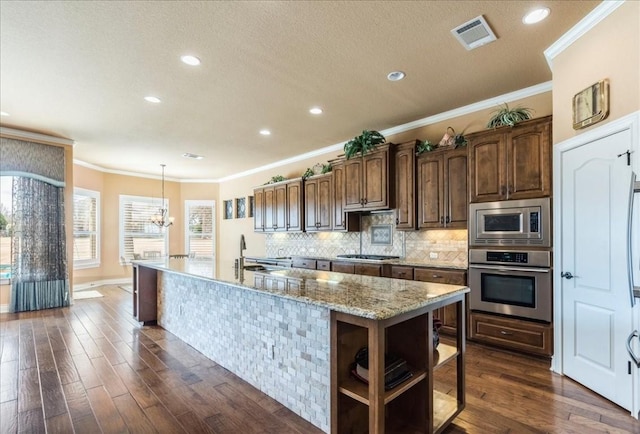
x=503 y=268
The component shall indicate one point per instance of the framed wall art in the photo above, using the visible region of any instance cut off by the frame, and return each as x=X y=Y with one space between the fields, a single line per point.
x=591 y=105
x=381 y=235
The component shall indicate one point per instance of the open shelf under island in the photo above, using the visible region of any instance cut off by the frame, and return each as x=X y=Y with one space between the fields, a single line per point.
x=294 y=333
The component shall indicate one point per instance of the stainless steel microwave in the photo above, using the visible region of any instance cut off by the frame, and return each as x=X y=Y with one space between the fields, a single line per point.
x=524 y=222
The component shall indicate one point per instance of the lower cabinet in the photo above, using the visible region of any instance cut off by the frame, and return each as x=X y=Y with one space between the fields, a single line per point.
x=515 y=334
x=445 y=314
x=145 y=294
x=415 y=405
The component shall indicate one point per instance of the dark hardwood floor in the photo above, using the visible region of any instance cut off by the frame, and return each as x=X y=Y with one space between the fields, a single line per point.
x=92 y=368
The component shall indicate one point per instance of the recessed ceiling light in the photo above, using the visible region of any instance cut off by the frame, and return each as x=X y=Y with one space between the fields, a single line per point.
x=315 y=111
x=536 y=15
x=153 y=99
x=194 y=156
x=395 y=76
x=265 y=132
x=190 y=60
x=4 y=114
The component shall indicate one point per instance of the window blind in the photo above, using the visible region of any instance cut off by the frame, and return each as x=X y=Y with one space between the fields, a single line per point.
x=86 y=232
x=139 y=238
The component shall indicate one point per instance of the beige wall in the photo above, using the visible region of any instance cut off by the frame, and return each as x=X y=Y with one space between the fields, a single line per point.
x=610 y=50
x=111 y=186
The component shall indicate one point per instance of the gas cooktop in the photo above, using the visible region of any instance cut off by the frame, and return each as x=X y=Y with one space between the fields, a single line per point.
x=370 y=257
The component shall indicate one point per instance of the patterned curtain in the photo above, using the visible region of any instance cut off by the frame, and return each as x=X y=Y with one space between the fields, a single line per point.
x=39 y=265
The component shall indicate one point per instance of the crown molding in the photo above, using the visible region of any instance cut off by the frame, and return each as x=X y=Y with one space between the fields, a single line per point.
x=34 y=137
x=123 y=172
x=460 y=111
x=602 y=11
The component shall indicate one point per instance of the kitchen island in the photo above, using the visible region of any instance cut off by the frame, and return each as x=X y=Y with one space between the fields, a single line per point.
x=294 y=333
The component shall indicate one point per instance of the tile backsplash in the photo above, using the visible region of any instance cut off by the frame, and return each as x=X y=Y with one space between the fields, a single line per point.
x=445 y=247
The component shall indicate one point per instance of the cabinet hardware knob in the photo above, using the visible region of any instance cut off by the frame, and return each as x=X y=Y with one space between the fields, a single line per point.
x=397 y=220
x=365 y=201
x=447 y=220
x=503 y=190
x=505 y=333
x=509 y=190
x=441 y=220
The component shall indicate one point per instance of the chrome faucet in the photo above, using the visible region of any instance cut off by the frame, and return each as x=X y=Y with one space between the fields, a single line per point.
x=243 y=245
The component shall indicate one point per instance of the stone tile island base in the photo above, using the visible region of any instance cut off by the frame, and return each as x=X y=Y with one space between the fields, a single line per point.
x=278 y=345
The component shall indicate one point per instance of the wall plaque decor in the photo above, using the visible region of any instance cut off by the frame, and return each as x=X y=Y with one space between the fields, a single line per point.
x=251 y=206
x=381 y=235
x=591 y=105
x=228 y=209
x=241 y=208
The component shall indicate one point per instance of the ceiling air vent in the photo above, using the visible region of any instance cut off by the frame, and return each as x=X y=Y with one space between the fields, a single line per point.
x=474 y=33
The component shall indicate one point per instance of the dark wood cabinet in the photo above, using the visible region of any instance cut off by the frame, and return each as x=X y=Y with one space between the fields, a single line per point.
x=145 y=294
x=278 y=207
x=318 y=203
x=442 y=189
x=343 y=267
x=405 y=162
x=401 y=272
x=446 y=314
x=341 y=220
x=512 y=333
x=511 y=163
x=365 y=269
x=367 y=181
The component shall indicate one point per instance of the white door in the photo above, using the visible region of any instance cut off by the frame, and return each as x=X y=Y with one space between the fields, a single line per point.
x=596 y=307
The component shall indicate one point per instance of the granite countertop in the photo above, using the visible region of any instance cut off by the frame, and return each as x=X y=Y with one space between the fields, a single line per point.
x=365 y=296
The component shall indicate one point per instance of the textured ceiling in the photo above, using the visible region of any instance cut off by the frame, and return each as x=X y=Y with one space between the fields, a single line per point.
x=80 y=69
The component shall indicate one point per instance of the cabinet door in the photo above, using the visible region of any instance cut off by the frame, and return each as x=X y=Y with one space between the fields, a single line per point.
x=339 y=217
x=269 y=209
x=324 y=203
x=487 y=167
x=529 y=164
x=353 y=194
x=294 y=212
x=455 y=189
x=375 y=180
x=280 y=207
x=430 y=191
x=310 y=200
x=258 y=210
x=405 y=162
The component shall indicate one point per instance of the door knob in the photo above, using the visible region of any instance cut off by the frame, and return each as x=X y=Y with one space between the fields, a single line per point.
x=567 y=275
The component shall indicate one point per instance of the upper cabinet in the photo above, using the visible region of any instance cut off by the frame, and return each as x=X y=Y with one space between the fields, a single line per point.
x=442 y=189
x=405 y=162
x=341 y=220
x=318 y=203
x=367 y=181
x=511 y=163
x=278 y=207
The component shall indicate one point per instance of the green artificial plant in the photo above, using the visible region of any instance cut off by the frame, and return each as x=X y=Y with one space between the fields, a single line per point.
x=363 y=144
x=508 y=116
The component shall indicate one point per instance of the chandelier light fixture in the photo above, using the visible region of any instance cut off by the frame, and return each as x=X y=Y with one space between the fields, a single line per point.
x=161 y=220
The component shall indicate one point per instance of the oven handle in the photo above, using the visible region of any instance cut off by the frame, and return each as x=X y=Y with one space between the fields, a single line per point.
x=502 y=268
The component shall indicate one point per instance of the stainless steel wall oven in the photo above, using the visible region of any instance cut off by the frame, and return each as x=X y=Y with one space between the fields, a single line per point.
x=513 y=283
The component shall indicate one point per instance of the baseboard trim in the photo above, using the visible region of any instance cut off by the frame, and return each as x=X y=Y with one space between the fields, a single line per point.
x=94 y=284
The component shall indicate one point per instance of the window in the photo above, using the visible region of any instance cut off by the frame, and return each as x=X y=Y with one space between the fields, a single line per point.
x=200 y=228
x=139 y=238
x=86 y=228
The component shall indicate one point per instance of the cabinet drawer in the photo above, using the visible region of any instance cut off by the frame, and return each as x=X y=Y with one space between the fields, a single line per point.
x=323 y=265
x=440 y=276
x=342 y=267
x=401 y=272
x=304 y=263
x=512 y=333
x=368 y=269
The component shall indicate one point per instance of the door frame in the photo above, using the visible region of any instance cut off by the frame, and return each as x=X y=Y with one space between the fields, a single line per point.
x=632 y=123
